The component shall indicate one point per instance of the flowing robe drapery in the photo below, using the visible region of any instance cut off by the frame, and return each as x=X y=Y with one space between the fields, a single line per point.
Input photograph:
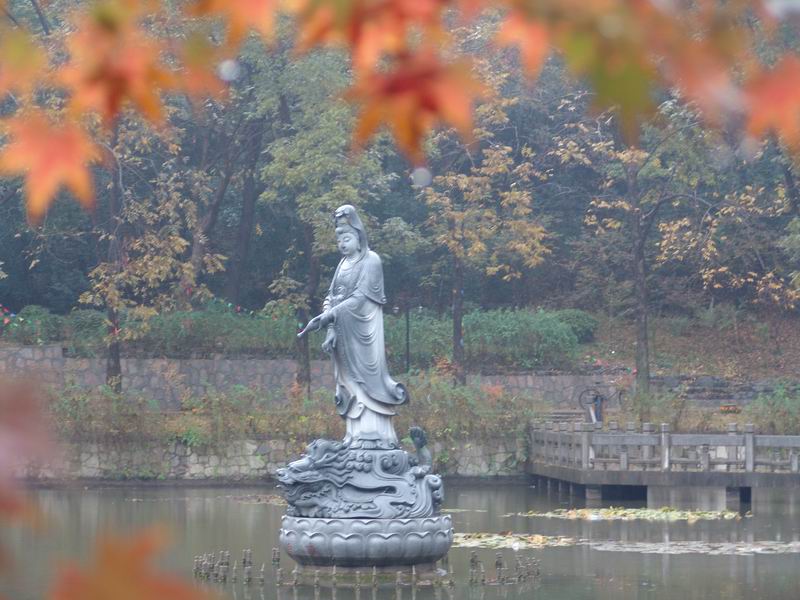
x=366 y=395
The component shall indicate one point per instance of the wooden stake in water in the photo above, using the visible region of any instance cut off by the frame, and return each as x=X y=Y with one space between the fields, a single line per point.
x=233 y=573
x=295 y=577
x=276 y=556
x=279 y=577
x=262 y=574
x=374 y=577
x=333 y=577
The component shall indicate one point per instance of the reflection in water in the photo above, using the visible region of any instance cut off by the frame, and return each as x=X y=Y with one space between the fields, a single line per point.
x=205 y=520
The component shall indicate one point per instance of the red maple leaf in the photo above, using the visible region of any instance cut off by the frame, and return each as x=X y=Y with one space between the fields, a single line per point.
x=48 y=155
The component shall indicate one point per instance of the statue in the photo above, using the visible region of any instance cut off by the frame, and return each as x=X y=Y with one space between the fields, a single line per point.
x=362 y=501
x=366 y=395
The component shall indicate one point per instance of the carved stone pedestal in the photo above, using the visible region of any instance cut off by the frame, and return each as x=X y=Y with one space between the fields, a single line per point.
x=367 y=543
x=364 y=503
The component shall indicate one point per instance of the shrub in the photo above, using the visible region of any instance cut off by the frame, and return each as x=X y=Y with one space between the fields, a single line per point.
x=85 y=333
x=582 y=324
x=777 y=413
x=518 y=339
x=34 y=325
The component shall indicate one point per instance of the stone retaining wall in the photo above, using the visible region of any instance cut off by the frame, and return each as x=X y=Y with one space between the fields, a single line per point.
x=248 y=460
x=168 y=380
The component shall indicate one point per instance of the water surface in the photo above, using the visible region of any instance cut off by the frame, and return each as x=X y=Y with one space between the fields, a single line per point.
x=616 y=560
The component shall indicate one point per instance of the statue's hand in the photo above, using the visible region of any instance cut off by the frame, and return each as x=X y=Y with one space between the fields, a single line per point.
x=314 y=324
x=330 y=341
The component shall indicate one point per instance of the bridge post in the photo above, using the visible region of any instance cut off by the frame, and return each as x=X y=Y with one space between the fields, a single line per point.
x=586 y=443
x=749 y=448
x=705 y=461
x=732 y=462
x=647 y=450
x=594 y=494
x=665 y=447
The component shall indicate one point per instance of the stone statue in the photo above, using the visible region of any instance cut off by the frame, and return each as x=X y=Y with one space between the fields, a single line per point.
x=366 y=395
x=362 y=501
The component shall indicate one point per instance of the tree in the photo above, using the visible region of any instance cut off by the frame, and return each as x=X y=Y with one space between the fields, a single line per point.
x=310 y=174
x=481 y=211
x=405 y=73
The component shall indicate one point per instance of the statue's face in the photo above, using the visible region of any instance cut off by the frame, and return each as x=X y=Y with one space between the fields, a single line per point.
x=347 y=241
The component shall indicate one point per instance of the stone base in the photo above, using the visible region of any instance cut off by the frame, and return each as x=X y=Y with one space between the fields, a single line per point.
x=366 y=543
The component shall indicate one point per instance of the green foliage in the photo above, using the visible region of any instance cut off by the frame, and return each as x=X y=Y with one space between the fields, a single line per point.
x=494 y=339
x=215 y=330
x=719 y=317
x=34 y=325
x=518 y=339
x=778 y=412
x=102 y=414
x=449 y=413
x=582 y=324
x=85 y=332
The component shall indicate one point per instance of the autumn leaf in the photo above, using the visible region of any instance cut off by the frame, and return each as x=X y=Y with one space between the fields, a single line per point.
x=22 y=61
x=197 y=77
x=368 y=28
x=532 y=38
x=240 y=16
x=774 y=101
x=122 y=569
x=113 y=62
x=419 y=92
x=49 y=156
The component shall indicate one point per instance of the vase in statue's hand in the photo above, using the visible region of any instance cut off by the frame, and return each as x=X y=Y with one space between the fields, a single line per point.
x=317 y=323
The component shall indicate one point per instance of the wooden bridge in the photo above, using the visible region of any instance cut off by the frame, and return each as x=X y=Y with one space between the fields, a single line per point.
x=660 y=465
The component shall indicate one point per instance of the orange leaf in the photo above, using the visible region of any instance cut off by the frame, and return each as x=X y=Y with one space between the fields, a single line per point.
x=198 y=57
x=369 y=28
x=48 y=155
x=240 y=15
x=121 y=570
x=774 y=101
x=411 y=98
x=112 y=62
x=22 y=61
x=532 y=37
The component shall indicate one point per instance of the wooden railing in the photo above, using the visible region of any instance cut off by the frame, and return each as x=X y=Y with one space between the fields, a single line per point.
x=588 y=446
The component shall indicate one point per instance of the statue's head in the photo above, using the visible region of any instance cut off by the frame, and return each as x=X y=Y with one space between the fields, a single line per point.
x=351 y=237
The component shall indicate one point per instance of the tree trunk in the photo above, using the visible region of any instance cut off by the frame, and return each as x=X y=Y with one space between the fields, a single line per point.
x=42 y=18
x=200 y=237
x=303 y=315
x=116 y=247
x=113 y=360
x=251 y=190
x=303 y=350
x=639 y=231
x=459 y=371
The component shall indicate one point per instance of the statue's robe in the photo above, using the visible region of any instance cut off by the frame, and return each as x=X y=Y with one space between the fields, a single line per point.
x=363 y=383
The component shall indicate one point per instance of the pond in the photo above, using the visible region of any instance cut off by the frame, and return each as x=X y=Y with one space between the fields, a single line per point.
x=755 y=557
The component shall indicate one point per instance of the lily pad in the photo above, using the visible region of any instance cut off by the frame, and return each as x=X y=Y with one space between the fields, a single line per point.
x=697 y=547
x=514 y=541
x=616 y=513
x=273 y=499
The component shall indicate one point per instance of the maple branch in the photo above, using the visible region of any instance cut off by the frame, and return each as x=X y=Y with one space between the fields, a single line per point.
x=42 y=19
x=11 y=17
